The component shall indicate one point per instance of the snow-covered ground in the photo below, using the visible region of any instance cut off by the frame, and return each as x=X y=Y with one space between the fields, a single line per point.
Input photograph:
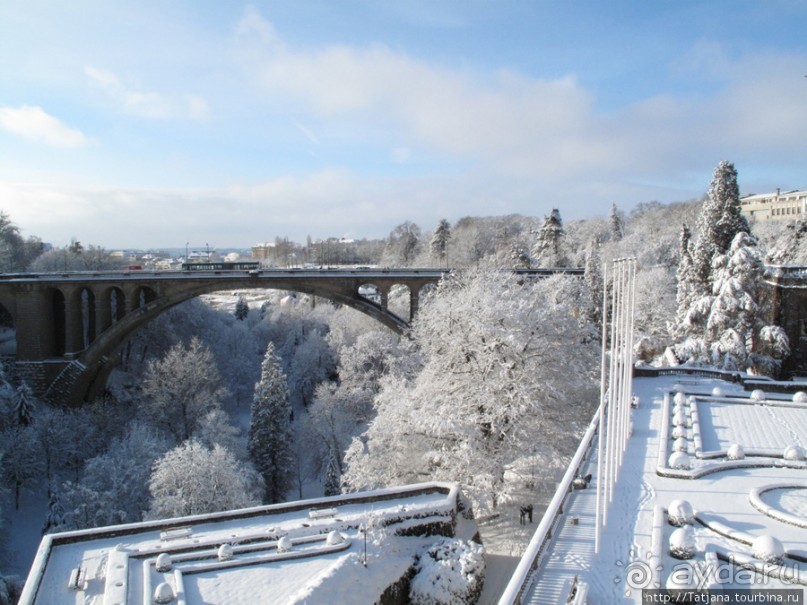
x=743 y=507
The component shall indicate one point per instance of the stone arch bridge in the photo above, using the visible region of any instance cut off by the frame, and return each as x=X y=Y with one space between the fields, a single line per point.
x=70 y=327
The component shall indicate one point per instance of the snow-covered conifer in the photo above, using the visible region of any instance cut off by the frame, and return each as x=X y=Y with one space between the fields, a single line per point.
x=720 y=221
x=685 y=278
x=270 y=432
x=440 y=239
x=24 y=405
x=241 y=309
x=615 y=224
x=22 y=461
x=549 y=249
x=332 y=475
x=593 y=278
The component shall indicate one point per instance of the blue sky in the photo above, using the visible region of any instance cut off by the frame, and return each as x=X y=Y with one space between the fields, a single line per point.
x=152 y=123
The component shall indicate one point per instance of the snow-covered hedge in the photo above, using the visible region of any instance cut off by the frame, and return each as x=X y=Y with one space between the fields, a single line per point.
x=450 y=572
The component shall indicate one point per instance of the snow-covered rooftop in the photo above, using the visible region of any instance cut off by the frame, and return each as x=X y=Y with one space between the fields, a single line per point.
x=734 y=458
x=347 y=549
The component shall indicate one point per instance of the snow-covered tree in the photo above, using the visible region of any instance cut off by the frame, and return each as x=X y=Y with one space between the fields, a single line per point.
x=615 y=224
x=114 y=485
x=730 y=322
x=22 y=461
x=402 y=245
x=720 y=221
x=216 y=428
x=594 y=280
x=192 y=479
x=439 y=242
x=333 y=475
x=519 y=257
x=241 y=309
x=685 y=278
x=24 y=405
x=449 y=572
x=312 y=363
x=499 y=379
x=181 y=388
x=270 y=433
x=548 y=250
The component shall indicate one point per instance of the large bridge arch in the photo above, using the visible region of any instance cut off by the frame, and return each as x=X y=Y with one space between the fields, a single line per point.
x=96 y=358
x=70 y=327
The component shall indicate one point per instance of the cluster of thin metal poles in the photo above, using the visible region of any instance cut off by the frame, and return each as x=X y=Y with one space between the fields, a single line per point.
x=617 y=373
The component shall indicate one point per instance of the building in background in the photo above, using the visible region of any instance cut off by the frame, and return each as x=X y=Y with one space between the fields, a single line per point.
x=777 y=206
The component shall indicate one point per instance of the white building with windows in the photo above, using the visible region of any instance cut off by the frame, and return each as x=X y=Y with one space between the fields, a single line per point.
x=777 y=206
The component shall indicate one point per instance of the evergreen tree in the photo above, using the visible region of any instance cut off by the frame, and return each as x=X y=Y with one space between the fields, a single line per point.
x=721 y=219
x=548 y=248
x=685 y=279
x=270 y=433
x=593 y=278
x=519 y=257
x=440 y=238
x=23 y=405
x=739 y=308
x=333 y=475
x=615 y=224
x=241 y=309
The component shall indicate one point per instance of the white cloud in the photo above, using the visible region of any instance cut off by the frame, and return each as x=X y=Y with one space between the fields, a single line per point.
x=34 y=123
x=542 y=130
x=148 y=104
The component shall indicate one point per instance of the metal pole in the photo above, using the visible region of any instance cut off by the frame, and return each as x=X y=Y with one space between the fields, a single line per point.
x=601 y=430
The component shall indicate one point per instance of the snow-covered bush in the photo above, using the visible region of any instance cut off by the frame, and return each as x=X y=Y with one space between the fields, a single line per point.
x=757 y=395
x=680 y=444
x=682 y=543
x=678 y=432
x=679 y=460
x=225 y=552
x=794 y=452
x=163 y=563
x=735 y=452
x=768 y=549
x=450 y=572
x=163 y=593
x=284 y=544
x=680 y=513
x=680 y=419
x=800 y=397
x=680 y=398
x=717 y=392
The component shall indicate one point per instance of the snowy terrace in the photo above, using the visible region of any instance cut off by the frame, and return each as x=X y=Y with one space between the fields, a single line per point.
x=712 y=494
x=347 y=549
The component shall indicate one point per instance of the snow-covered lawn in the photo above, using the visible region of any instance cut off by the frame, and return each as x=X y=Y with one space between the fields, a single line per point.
x=753 y=425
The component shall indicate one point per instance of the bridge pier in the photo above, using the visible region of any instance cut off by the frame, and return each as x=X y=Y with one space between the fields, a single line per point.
x=73 y=324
